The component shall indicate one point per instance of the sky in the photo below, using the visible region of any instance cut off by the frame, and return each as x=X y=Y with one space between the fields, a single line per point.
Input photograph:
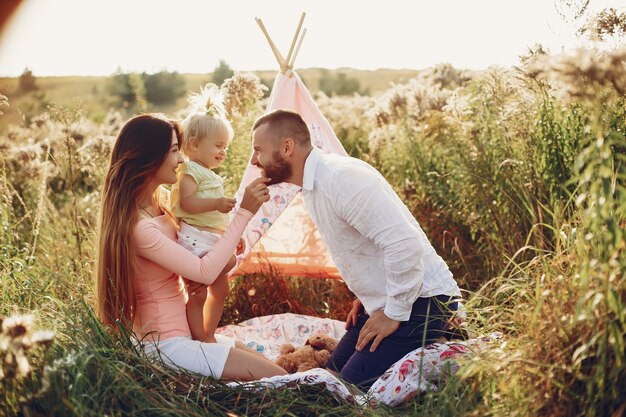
x=93 y=37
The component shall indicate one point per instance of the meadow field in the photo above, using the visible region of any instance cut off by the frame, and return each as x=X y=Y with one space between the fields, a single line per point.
x=517 y=175
x=94 y=93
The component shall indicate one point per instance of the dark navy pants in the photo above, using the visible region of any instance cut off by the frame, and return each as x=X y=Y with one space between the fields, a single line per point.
x=428 y=321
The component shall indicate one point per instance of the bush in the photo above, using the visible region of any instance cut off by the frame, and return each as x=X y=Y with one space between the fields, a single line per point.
x=339 y=84
x=221 y=73
x=27 y=81
x=128 y=89
x=163 y=87
x=135 y=91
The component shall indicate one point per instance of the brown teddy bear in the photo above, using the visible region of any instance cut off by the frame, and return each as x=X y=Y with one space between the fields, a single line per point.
x=314 y=354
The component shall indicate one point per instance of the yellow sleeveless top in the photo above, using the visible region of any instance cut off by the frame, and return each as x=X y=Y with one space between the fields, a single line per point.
x=210 y=185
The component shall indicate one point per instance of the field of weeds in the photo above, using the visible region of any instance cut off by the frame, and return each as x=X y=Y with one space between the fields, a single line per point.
x=517 y=175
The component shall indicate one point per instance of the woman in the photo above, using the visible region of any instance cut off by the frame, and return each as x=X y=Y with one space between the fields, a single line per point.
x=139 y=261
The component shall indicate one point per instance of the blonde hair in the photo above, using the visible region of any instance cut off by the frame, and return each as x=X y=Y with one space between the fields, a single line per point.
x=140 y=148
x=207 y=116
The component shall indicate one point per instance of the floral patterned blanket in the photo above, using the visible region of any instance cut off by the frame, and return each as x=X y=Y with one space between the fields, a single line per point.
x=418 y=371
x=265 y=334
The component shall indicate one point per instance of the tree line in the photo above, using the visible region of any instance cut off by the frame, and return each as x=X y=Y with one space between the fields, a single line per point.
x=141 y=90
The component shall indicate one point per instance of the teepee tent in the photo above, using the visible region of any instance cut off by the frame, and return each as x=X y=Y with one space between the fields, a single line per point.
x=281 y=237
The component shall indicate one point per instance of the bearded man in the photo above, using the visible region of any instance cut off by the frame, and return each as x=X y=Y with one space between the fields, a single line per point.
x=405 y=293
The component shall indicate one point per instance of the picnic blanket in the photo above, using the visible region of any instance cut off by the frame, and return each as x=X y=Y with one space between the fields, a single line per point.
x=418 y=371
x=265 y=334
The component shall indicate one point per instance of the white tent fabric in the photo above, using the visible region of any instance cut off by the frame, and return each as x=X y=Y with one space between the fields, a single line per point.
x=281 y=237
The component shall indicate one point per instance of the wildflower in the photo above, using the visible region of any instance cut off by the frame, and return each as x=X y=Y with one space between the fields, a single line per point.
x=606 y=24
x=410 y=101
x=582 y=74
x=241 y=91
x=16 y=326
x=42 y=337
x=4 y=102
x=16 y=340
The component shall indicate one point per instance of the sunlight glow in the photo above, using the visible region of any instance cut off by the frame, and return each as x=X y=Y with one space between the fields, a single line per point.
x=73 y=37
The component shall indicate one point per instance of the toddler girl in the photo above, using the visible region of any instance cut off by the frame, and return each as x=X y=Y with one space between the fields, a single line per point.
x=200 y=205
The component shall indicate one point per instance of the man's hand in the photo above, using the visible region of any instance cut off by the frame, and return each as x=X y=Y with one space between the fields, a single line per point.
x=377 y=327
x=224 y=204
x=357 y=306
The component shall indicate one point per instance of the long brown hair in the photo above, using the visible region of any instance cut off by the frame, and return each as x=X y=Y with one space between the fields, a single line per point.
x=140 y=148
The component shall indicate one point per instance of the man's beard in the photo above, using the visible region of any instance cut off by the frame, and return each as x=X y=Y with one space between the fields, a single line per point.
x=278 y=170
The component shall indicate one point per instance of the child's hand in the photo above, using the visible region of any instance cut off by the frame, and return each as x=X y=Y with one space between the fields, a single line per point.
x=225 y=204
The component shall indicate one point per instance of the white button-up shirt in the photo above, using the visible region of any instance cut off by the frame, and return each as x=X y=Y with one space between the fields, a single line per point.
x=379 y=248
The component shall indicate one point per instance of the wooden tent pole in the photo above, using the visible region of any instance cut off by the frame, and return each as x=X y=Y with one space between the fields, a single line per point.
x=279 y=57
x=293 y=59
x=295 y=38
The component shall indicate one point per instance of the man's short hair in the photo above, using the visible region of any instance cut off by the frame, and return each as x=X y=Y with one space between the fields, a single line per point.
x=286 y=124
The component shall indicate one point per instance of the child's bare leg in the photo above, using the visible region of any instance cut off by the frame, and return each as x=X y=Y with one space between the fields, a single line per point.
x=195 y=304
x=214 y=305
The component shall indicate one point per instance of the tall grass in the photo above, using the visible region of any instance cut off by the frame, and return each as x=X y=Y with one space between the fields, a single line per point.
x=516 y=175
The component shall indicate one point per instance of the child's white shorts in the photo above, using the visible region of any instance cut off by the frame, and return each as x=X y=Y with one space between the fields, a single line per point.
x=198 y=241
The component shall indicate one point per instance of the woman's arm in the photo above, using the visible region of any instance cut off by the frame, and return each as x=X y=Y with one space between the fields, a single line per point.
x=152 y=244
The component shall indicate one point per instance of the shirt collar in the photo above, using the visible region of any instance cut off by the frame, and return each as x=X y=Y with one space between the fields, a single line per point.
x=309 y=168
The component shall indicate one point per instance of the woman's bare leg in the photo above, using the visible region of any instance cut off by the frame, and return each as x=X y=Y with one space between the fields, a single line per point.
x=242 y=365
x=243 y=347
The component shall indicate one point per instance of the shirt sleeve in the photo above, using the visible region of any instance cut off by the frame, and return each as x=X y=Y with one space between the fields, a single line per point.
x=190 y=169
x=205 y=178
x=153 y=245
x=365 y=200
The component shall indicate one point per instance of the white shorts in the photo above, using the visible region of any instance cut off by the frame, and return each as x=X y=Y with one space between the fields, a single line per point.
x=197 y=241
x=182 y=352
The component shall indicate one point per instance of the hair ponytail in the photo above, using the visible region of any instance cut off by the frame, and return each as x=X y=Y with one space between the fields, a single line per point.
x=207 y=116
x=209 y=101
